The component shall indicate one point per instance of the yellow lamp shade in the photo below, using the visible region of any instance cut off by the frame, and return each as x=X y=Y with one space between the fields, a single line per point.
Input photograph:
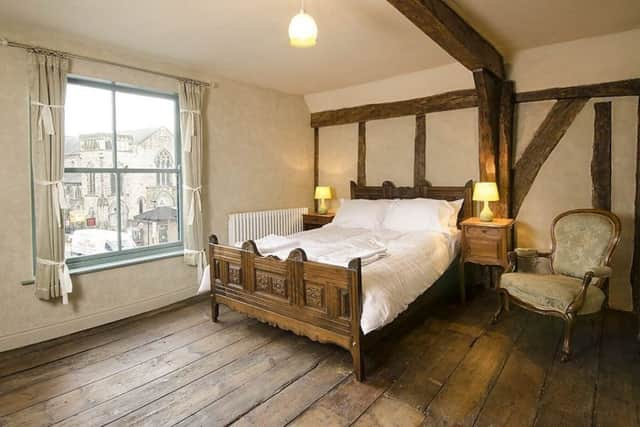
x=486 y=192
x=303 y=31
x=323 y=193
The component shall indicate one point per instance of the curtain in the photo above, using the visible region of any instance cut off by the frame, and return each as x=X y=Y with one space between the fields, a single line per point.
x=191 y=130
x=47 y=94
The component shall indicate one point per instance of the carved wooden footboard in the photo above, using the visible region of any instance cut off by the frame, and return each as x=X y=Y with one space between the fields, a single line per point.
x=320 y=301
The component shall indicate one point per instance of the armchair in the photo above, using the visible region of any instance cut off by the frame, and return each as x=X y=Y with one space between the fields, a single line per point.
x=583 y=241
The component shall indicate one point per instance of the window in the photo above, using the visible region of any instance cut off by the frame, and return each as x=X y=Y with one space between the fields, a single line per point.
x=122 y=173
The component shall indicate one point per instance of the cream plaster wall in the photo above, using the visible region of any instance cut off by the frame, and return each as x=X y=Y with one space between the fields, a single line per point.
x=390 y=142
x=259 y=156
x=564 y=182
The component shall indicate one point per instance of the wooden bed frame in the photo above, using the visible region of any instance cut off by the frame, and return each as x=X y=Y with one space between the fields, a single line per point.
x=320 y=301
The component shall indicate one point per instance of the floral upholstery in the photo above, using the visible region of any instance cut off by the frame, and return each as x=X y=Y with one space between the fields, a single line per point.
x=551 y=291
x=582 y=240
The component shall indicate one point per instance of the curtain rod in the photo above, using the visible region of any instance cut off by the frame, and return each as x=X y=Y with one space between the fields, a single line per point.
x=5 y=42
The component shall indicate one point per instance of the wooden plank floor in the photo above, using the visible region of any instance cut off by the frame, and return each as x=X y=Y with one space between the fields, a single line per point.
x=176 y=367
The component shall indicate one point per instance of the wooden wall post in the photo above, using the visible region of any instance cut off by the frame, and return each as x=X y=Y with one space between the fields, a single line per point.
x=488 y=89
x=362 y=153
x=601 y=159
x=316 y=163
x=420 y=151
x=635 y=265
x=505 y=148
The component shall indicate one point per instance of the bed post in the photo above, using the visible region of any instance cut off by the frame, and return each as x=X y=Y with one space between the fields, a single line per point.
x=215 y=310
x=356 y=311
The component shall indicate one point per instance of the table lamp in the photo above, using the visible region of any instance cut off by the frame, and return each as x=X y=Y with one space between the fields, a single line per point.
x=322 y=194
x=486 y=192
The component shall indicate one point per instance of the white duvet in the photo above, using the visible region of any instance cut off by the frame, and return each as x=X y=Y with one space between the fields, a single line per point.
x=397 y=267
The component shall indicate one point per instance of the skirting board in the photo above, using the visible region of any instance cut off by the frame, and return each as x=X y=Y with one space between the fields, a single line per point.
x=57 y=330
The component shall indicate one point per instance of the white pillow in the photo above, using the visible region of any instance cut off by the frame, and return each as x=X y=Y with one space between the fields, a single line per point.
x=418 y=215
x=361 y=213
x=456 y=205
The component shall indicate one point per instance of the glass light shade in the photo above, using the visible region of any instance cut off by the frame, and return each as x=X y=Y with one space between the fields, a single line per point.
x=303 y=31
x=486 y=192
x=323 y=193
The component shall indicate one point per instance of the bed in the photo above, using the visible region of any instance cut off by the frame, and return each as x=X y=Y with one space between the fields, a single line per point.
x=323 y=294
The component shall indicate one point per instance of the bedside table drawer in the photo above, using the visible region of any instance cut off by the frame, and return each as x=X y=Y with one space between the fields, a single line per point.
x=489 y=250
x=315 y=219
x=483 y=233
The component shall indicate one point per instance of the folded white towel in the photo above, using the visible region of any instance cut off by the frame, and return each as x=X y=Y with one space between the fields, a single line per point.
x=274 y=243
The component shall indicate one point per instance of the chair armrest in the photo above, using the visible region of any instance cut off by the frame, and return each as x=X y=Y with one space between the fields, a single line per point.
x=601 y=272
x=578 y=301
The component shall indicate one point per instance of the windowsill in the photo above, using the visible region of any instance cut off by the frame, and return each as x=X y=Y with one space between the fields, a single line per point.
x=108 y=265
x=126 y=262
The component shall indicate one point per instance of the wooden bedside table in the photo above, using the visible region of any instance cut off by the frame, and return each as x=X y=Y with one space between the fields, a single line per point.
x=316 y=220
x=485 y=243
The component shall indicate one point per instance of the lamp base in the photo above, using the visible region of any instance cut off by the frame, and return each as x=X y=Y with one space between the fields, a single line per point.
x=322 y=209
x=486 y=215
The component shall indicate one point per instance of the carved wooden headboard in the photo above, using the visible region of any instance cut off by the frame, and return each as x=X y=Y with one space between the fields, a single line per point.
x=389 y=191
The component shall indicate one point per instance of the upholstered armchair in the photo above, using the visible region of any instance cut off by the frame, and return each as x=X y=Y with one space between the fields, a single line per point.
x=583 y=241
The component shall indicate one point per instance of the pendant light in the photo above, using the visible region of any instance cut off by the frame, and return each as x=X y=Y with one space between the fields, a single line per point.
x=303 y=31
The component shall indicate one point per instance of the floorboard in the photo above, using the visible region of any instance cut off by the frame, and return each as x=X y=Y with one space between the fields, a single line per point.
x=569 y=394
x=176 y=367
x=514 y=398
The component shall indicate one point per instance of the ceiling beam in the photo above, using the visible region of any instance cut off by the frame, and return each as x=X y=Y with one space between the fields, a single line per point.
x=629 y=87
x=442 y=102
x=452 y=33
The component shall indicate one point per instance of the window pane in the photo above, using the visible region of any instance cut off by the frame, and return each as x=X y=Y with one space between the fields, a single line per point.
x=91 y=222
x=150 y=202
x=88 y=127
x=146 y=131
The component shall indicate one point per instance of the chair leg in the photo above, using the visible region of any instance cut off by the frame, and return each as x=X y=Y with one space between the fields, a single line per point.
x=566 y=342
x=503 y=305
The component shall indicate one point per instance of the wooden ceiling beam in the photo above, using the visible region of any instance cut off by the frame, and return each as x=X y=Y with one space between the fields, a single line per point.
x=445 y=27
x=629 y=87
x=443 y=102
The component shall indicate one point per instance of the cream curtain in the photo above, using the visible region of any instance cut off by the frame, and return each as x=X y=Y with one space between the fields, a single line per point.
x=47 y=94
x=191 y=103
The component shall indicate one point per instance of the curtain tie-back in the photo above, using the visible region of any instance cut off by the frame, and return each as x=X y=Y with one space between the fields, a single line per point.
x=66 y=286
x=189 y=128
x=45 y=119
x=201 y=260
x=195 y=197
x=59 y=201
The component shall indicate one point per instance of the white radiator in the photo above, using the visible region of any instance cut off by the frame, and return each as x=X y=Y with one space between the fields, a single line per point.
x=255 y=225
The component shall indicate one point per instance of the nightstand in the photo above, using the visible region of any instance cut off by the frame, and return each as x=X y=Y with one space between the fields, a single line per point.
x=315 y=220
x=485 y=243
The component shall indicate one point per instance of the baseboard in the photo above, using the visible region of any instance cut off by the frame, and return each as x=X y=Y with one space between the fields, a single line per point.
x=56 y=330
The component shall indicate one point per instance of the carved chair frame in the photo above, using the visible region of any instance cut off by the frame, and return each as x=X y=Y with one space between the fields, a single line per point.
x=570 y=314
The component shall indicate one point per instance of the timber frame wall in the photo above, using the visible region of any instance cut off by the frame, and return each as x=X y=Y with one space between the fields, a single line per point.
x=495 y=98
x=496 y=164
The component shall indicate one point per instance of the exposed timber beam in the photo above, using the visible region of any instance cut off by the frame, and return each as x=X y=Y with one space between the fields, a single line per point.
x=600 y=90
x=445 y=27
x=601 y=159
x=544 y=141
x=488 y=88
x=635 y=266
x=362 y=153
x=442 y=102
x=420 y=151
x=505 y=148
